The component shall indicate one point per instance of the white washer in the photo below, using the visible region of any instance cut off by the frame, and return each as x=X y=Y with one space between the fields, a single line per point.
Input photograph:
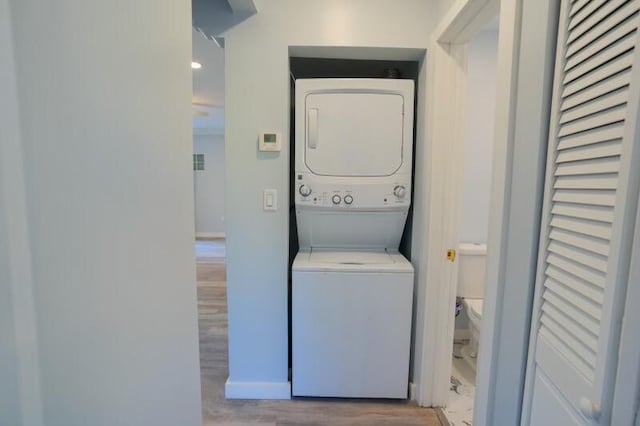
x=351 y=324
x=352 y=290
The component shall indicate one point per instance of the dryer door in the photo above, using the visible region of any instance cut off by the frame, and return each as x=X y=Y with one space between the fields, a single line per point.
x=354 y=134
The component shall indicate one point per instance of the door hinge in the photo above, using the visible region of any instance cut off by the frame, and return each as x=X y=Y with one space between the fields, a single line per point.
x=451 y=255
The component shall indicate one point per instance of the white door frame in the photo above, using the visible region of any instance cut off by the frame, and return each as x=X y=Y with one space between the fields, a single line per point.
x=626 y=390
x=525 y=73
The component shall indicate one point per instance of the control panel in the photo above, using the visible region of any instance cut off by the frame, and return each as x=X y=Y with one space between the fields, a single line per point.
x=322 y=192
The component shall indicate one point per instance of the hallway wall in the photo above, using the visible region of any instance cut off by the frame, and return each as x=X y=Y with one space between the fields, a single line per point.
x=257 y=99
x=20 y=402
x=209 y=186
x=104 y=90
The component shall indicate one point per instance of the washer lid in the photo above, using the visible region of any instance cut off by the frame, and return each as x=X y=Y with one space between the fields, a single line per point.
x=362 y=261
x=351 y=257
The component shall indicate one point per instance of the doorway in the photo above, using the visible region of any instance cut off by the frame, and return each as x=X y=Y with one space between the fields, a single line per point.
x=208 y=195
x=526 y=55
x=479 y=120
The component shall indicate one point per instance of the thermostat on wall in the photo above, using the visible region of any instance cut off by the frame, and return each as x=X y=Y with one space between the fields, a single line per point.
x=270 y=141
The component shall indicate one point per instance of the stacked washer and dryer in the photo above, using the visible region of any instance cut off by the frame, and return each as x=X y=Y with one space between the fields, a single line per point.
x=352 y=290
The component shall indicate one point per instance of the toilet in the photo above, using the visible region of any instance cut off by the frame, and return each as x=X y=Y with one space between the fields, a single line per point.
x=471 y=276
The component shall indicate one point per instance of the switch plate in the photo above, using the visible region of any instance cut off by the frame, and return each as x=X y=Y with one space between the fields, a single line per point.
x=270 y=200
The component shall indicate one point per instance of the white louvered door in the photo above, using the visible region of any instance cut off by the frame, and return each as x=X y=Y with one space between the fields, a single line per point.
x=584 y=237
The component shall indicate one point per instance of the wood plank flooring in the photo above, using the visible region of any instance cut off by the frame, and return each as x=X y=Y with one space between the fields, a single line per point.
x=217 y=410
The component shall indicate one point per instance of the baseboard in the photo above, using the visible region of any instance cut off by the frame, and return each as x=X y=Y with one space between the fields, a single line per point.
x=412 y=391
x=257 y=390
x=442 y=417
x=212 y=235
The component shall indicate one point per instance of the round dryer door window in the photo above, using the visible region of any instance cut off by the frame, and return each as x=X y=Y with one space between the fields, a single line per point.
x=354 y=134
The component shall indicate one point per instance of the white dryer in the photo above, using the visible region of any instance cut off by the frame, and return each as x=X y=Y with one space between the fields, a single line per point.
x=352 y=290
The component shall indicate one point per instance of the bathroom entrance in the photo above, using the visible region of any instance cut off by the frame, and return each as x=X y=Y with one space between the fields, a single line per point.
x=473 y=216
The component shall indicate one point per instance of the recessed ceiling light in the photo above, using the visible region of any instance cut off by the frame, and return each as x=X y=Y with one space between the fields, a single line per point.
x=196 y=65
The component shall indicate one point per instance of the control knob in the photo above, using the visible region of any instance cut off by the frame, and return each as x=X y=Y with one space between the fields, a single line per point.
x=348 y=199
x=304 y=190
x=336 y=199
x=399 y=191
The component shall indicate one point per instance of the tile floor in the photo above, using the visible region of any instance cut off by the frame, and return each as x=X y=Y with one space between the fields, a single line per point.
x=459 y=412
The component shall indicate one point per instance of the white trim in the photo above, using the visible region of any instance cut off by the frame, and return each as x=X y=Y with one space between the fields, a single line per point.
x=511 y=269
x=216 y=235
x=626 y=392
x=434 y=331
x=624 y=354
x=530 y=369
x=257 y=390
x=465 y=19
x=412 y=391
x=447 y=108
x=507 y=69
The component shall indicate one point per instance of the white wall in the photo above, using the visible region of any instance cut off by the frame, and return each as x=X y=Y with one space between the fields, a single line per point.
x=10 y=413
x=479 y=127
x=20 y=402
x=104 y=93
x=209 y=186
x=257 y=98
x=9 y=132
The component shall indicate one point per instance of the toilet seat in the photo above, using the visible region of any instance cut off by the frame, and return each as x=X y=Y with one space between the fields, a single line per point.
x=474 y=308
x=474 y=311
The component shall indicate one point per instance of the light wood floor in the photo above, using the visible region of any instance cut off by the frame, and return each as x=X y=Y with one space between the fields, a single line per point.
x=300 y=411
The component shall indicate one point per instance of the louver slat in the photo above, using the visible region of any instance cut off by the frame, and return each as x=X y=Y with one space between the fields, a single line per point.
x=604 y=149
x=599 y=181
x=600 y=134
x=579 y=256
x=615 y=66
x=611 y=21
x=615 y=82
x=593 y=121
x=586 y=227
x=588 y=242
x=569 y=340
x=573 y=300
x=599 y=10
x=602 y=214
x=584 y=196
x=625 y=29
x=602 y=103
x=571 y=325
x=580 y=286
x=589 y=167
x=596 y=61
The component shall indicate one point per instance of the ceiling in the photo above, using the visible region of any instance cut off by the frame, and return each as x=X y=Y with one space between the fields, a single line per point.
x=208 y=86
x=210 y=19
x=208 y=81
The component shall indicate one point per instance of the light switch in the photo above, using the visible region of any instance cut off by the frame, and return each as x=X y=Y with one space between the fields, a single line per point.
x=270 y=200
